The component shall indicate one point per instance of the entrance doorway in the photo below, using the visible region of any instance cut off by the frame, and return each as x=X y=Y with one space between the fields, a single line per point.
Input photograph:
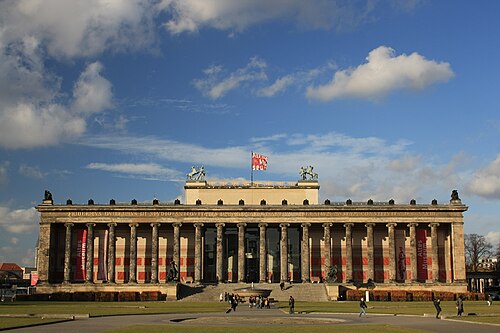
x=252 y=255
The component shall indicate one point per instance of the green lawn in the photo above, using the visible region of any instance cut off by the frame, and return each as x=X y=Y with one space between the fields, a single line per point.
x=484 y=313
x=19 y=322
x=265 y=329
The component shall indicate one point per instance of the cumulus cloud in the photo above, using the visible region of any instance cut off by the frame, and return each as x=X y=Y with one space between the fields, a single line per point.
x=149 y=171
x=192 y=15
x=92 y=92
x=381 y=74
x=215 y=86
x=34 y=111
x=493 y=237
x=75 y=28
x=42 y=121
x=486 y=181
x=19 y=220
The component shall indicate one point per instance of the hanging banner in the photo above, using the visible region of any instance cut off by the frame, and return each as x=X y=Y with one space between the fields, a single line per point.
x=422 y=254
x=400 y=255
x=102 y=267
x=81 y=251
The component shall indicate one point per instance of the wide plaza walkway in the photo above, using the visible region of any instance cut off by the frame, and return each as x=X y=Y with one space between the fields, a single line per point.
x=259 y=317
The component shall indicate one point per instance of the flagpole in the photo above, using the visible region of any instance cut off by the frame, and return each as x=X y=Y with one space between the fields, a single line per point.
x=251 y=168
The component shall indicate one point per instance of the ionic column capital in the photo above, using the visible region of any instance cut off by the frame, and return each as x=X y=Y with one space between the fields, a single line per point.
x=348 y=225
x=177 y=224
x=241 y=224
x=133 y=225
x=220 y=225
x=412 y=225
x=284 y=225
x=433 y=224
x=370 y=225
x=90 y=225
x=198 y=225
x=155 y=224
x=391 y=225
x=112 y=224
x=263 y=225
x=68 y=224
x=306 y=225
x=327 y=225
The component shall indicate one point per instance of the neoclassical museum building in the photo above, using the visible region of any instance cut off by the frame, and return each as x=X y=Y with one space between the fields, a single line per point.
x=256 y=232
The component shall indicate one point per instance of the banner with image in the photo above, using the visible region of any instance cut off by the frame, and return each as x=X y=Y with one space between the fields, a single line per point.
x=422 y=254
x=81 y=251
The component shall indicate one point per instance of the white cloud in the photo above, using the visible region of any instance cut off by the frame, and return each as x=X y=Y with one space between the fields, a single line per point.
x=356 y=167
x=382 y=73
x=279 y=85
x=75 y=28
x=14 y=240
x=215 y=87
x=32 y=172
x=43 y=122
x=19 y=220
x=493 y=237
x=151 y=170
x=192 y=15
x=92 y=92
x=486 y=181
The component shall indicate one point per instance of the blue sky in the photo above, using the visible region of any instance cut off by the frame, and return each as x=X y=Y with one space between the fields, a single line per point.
x=118 y=99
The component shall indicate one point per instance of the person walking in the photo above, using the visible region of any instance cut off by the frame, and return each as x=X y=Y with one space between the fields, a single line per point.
x=490 y=300
x=460 y=306
x=362 y=307
x=291 y=304
x=437 y=305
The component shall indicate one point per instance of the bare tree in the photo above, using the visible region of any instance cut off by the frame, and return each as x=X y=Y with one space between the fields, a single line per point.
x=476 y=247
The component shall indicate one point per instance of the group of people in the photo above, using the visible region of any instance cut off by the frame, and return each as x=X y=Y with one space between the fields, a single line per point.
x=259 y=302
x=459 y=305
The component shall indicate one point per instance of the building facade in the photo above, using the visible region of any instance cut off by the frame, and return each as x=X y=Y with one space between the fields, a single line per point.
x=258 y=232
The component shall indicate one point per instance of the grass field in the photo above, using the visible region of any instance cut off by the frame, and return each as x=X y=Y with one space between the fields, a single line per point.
x=19 y=322
x=266 y=329
x=483 y=312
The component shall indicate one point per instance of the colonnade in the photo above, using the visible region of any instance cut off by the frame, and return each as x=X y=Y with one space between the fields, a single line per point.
x=456 y=235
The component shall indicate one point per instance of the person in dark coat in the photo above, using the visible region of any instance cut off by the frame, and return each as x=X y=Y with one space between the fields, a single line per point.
x=291 y=304
x=460 y=306
x=437 y=305
x=362 y=307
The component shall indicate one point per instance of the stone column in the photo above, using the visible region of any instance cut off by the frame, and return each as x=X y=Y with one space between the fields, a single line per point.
x=458 y=255
x=67 y=253
x=434 y=253
x=305 y=257
x=241 y=252
x=89 y=264
x=413 y=251
x=133 y=253
x=262 y=253
x=197 y=252
x=392 y=251
x=176 y=255
x=348 y=251
x=220 y=252
x=327 y=250
x=154 y=252
x=44 y=254
x=111 y=252
x=447 y=254
x=284 y=252
x=370 y=274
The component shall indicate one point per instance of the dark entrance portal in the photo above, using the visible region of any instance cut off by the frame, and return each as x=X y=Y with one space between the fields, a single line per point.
x=252 y=255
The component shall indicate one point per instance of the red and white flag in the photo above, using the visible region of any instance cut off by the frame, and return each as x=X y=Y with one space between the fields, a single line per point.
x=259 y=162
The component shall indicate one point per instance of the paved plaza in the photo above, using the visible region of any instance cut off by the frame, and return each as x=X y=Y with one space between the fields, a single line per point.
x=259 y=317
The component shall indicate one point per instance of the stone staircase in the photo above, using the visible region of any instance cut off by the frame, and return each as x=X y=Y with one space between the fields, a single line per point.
x=313 y=292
